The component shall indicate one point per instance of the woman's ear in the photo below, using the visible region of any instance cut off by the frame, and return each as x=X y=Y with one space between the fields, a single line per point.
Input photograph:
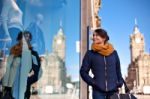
x=104 y=39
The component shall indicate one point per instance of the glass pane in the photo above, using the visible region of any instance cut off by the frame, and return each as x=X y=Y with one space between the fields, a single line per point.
x=53 y=73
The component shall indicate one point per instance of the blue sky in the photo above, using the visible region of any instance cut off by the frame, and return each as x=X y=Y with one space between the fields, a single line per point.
x=118 y=19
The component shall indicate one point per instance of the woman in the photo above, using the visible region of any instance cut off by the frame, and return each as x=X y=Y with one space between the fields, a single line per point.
x=26 y=71
x=104 y=63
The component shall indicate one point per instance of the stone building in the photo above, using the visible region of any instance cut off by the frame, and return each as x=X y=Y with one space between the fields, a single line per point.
x=139 y=68
x=53 y=65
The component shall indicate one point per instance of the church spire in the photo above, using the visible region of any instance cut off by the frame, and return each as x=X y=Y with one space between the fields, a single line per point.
x=136 y=29
x=60 y=23
x=60 y=31
x=135 y=22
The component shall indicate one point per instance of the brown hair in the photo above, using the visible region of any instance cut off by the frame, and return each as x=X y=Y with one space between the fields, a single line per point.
x=102 y=33
x=21 y=33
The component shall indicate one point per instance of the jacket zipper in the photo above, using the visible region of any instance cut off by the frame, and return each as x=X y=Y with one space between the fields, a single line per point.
x=106 y=83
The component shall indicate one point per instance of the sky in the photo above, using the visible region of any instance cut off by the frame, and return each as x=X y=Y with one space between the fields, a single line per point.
x=118 y=19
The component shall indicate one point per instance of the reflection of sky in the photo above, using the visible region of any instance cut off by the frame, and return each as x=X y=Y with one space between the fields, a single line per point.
x=118 y=19
x=54 y=11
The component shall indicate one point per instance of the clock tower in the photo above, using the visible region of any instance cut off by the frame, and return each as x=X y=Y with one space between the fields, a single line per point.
x=137 y=43
x=59 y=43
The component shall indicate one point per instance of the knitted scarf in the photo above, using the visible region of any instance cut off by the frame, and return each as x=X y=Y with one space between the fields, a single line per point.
x=16 y=50
x=105 y=49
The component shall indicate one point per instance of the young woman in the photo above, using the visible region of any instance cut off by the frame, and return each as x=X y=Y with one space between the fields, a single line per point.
x=27 y=71
x=104 y=63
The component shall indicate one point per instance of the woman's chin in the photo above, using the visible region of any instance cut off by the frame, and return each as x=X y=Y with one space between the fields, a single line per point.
x=96 y=43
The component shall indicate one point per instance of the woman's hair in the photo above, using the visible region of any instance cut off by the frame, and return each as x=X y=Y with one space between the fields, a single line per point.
x=21 y=33
x=102 y=33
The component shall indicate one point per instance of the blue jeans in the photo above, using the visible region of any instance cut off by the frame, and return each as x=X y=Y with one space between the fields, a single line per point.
x=99 y=95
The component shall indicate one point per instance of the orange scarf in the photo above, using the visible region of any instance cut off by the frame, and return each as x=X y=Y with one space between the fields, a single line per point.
x=16 y=50
x=105 y=50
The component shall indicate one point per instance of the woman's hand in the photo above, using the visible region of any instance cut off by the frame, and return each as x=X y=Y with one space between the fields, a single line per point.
x=31 y=73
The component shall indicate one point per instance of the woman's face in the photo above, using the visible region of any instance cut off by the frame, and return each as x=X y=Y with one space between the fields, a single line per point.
x=98 y=39
x=27 y=37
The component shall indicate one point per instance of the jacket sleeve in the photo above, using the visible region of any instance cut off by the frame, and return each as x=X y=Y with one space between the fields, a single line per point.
x=85 y=68
x=36 y=67
x=38 y=59
x=118 y=70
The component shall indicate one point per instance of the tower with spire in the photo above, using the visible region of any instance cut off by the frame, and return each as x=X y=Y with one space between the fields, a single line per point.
x=139 y=68
x=54 y=64
x=59 y=43
x=137 y=43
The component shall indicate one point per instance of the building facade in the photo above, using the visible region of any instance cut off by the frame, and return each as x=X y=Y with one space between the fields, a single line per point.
x=53 y=65
x=139 y=68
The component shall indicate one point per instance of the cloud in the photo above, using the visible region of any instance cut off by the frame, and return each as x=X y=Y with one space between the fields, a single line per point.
x=36 y=2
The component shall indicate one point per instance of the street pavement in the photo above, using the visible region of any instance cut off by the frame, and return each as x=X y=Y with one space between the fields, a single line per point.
x=73 y=97
x=59 y=96
x=143 y=96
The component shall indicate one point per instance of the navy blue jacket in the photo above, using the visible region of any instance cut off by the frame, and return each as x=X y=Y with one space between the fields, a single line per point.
x=106 y=71
x=36 y=67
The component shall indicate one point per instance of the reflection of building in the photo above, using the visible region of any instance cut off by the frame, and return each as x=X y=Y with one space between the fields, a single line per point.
x=139 y=68
x=53 y=65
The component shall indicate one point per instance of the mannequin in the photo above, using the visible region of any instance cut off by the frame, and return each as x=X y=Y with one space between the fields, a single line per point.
x=11 y=21
x=37 y=42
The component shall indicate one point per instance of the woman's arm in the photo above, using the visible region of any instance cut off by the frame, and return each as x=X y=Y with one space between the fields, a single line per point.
x=84 y=71
x=37 y=63
x=118 y=69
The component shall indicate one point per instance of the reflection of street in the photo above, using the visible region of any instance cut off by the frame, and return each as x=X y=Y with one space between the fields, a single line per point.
x=56 y=96
x=72 y=93
x=65 y=96
x=143 y=96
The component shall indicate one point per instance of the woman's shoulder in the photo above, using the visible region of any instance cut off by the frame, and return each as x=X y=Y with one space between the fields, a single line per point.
x=90 y=52
x=115 y=52
x=35 y=53
x=16 y=50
